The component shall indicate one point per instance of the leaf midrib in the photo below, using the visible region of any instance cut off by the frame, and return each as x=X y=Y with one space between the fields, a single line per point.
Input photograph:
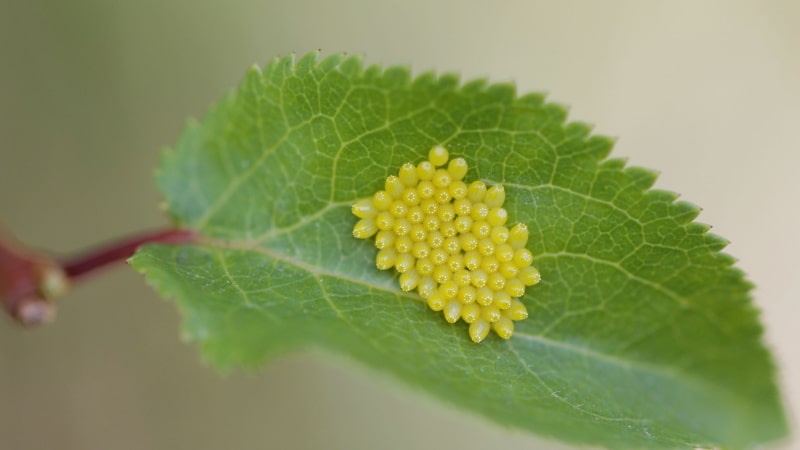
x=317 y=271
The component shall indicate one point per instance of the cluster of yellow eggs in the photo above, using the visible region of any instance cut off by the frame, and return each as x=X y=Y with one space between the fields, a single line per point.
x=449 y=241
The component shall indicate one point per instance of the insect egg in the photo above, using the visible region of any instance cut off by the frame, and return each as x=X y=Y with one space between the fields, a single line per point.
x=382 y=200
x=441 y=179
x=394 y=187
x=448 y=240
x=425 y=171
x=470 y=312
x=479 y=211
x=409 y=280
x=497 y=217
x=457 y=168
x=403 y=244
x=365 y=228
x=364 y=209
x=495 y=196
x=435 y=239
x=478 y=330
x=411 y=197
x=398 y=209
x=438 y=155
x=476 y=191
x=457 y=190
x=408 y=175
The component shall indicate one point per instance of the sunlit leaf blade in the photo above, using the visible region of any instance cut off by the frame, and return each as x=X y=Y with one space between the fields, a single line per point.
x=641 y=333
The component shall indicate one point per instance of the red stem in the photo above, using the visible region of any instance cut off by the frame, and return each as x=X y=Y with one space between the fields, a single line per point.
x=121 y=250
x=30 y=280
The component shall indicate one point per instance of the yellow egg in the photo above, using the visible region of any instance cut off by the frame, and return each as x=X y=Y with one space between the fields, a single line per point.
x=504 y=327
x=517 y=310
x=496 y=281
x=410 y=197
x=425 y=171
x=455 y=262
x=449 y=289
x=478 y=330
x=457 y=168
x=495 y=196
x=484 y=296
x=420 y=250
x=457 y=189
x=442 y=196
x=468 y=242
x=432 y=223
x=394 y=187
x=529 y=276
x=441 y=274
x=439 y=256
x=385 y=239
x=515 y=288
x=479 y=278
x=386 y=258
x=435 y=239
x=499 y=235
x=452 y=245
x=452 y=311
x=436 y=302
x=403 y=244
x=438 y=155
x=476 y=191
x=509 y=270
x=448 y=229
x=441 y=179
x=481 y=229
x=479 y=211
x=429 y=206
x=408 y=175
x=382 y=200
x=497 y=217
x=418 y=233
x=401 y=227
x=463 y=206
x=470 y=312
x=463 y=224
x=364 y=209
x=518 y=236
x=491 y=314
x=384 y=221
x=404 y=263
x=486 y=247
x=448 y=240
x=446 y=212
x=472 y=260
x=426 y=189
x=426 y=287
x=490 y=264
x=523 y=258
x=467 y=294
x=415 y=214
x=398 y=209
x=462 y=277
x=424 y=266
x=409 y=280
x=504 y=253
x=502 y=300
x=365 y=228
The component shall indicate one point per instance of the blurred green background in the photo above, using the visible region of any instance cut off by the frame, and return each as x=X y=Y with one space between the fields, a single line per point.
x=91 y=90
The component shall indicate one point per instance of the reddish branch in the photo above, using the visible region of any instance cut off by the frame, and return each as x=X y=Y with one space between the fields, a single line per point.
x=30 y=280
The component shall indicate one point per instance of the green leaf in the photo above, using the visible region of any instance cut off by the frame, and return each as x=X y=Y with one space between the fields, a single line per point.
x=641 y=333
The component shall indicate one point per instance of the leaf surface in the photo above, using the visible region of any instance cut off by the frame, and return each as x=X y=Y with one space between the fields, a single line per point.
x=641 y=333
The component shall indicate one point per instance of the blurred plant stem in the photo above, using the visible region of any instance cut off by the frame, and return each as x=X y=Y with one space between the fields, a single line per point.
x=30 y=280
